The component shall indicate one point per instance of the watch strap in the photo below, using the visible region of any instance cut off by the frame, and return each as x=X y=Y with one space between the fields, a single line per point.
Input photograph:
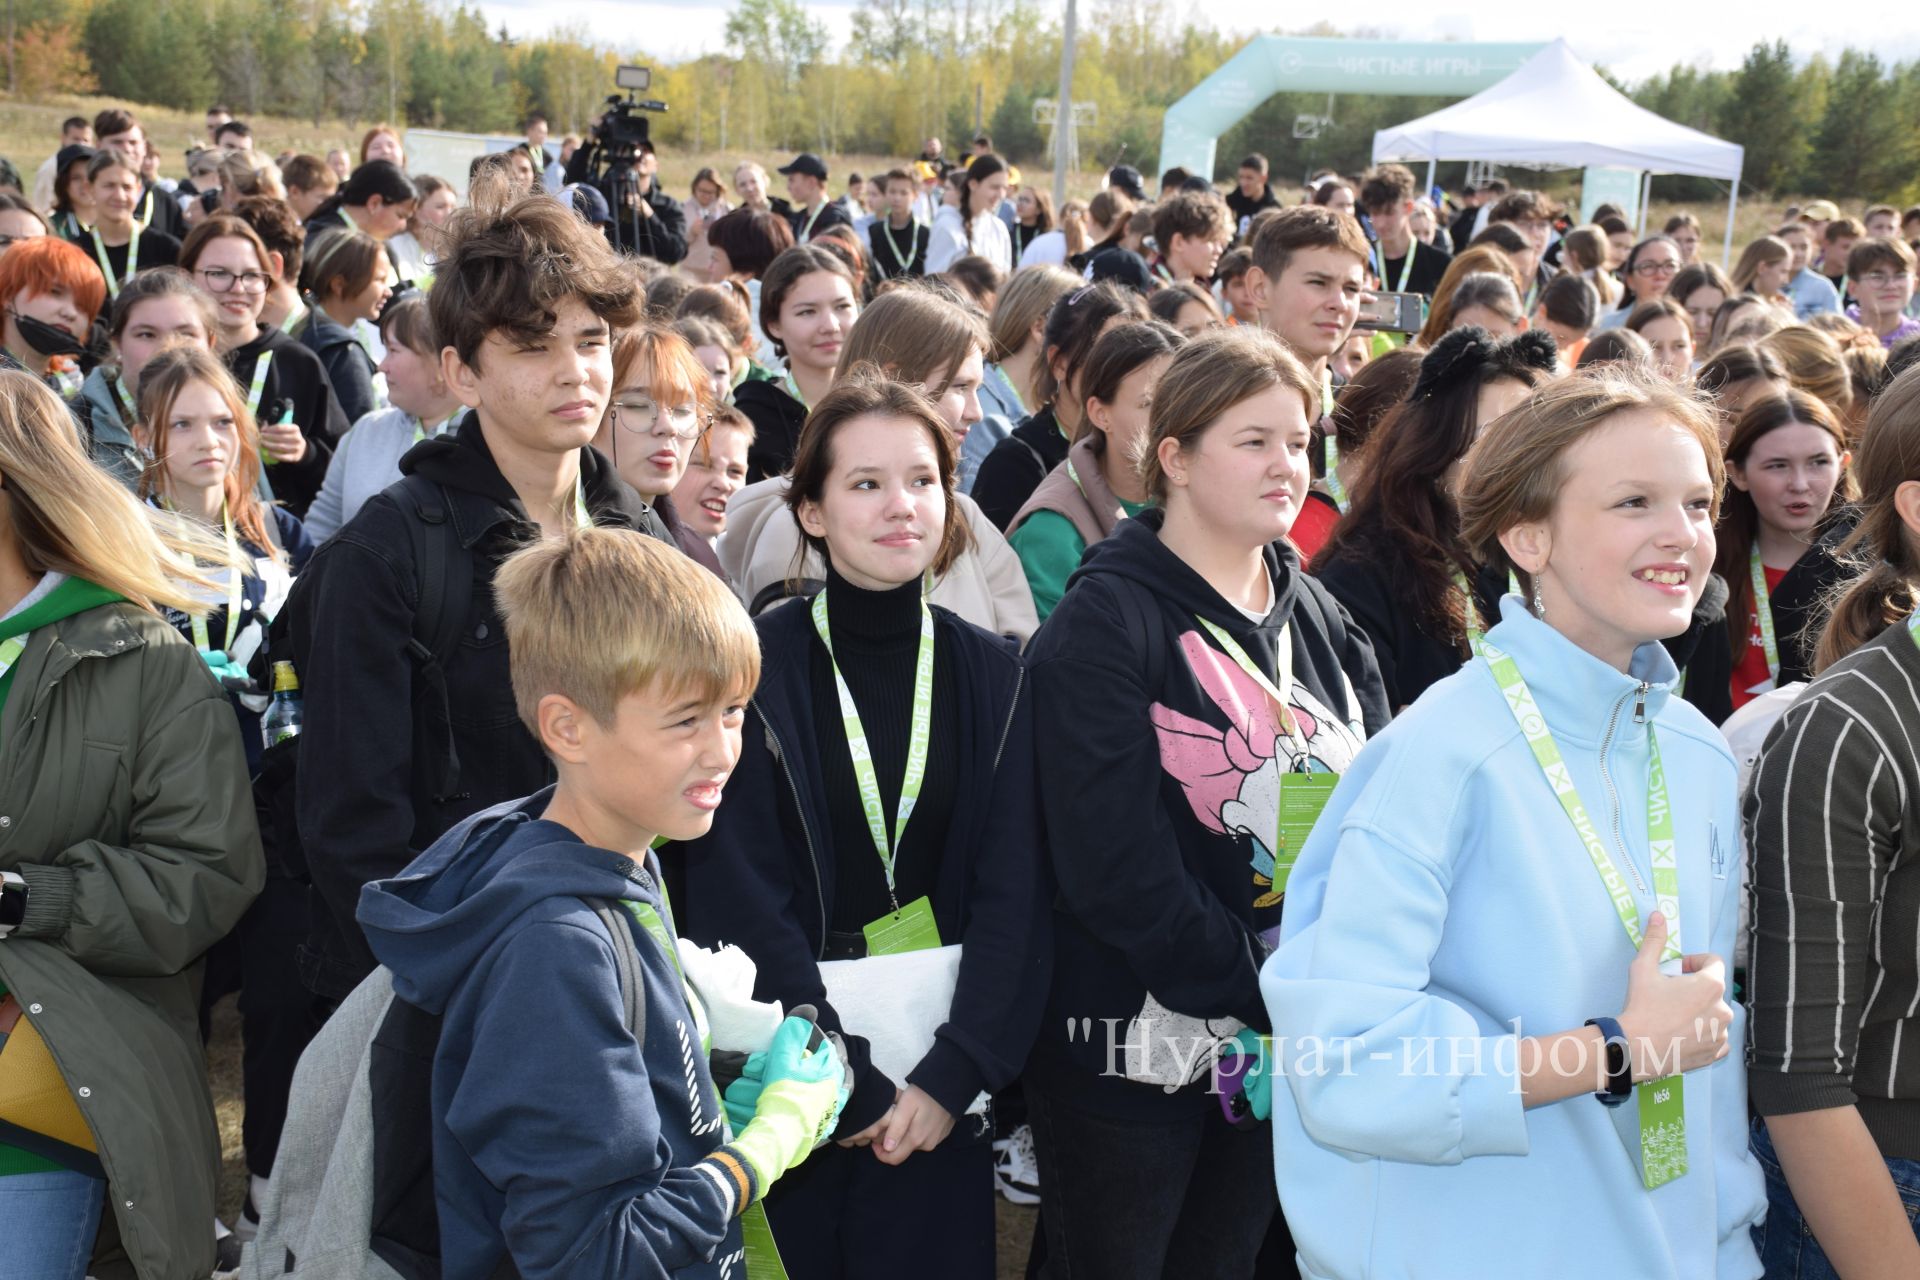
x=1619 y=1062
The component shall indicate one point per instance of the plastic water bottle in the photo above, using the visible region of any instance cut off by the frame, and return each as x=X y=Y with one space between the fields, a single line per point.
x=282 y=720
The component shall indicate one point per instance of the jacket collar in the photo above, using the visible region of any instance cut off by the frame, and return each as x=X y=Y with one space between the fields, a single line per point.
x=1091 y=477
x=1575 y=691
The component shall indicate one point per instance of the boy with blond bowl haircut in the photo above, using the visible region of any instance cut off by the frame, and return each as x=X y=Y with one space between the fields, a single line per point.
x=566 y=1139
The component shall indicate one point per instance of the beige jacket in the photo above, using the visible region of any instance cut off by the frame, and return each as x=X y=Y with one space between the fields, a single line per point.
x=761 y=552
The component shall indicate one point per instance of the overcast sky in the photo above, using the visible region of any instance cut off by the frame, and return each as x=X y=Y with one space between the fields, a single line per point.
x=1694 y=31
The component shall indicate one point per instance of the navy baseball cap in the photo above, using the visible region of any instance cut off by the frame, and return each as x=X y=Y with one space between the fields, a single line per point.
x=808 y=163
x=588 y=203
x=1127 y=178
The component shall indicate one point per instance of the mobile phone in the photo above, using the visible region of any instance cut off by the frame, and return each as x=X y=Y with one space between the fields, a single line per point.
x=1393 y=312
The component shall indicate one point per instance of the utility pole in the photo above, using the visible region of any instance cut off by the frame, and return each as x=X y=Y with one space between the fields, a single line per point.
x=1063 y=133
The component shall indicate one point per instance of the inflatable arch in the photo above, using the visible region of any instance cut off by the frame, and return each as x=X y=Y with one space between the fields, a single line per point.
x=1286 y=64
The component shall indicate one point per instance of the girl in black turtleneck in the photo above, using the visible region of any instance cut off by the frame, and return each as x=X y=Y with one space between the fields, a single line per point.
x=796 y=874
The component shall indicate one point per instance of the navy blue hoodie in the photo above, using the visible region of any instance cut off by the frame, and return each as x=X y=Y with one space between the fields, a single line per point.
x=1159 y=772
x=555 y=1134
x=763 y=877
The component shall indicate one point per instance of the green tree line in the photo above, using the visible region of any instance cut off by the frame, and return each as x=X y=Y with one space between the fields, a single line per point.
x=911 y=68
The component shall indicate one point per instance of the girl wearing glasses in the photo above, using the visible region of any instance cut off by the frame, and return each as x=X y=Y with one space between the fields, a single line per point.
x=1648 y=273
x=286 y=388
x=661 y=402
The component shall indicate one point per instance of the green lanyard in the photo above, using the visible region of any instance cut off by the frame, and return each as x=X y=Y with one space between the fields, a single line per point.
x=201 y=640
x=919 y=735
x=1660 y=839
x=133 y=260
x=582 y=518
x=141 y=219
x=126 y=401
x=1335 y=489
x=1763 y=610
x=913 y=234
x=793 y=388
x=1283 y=664
x=10 y=651
x=1470 y=609
x=811 y=219
x=294 y=317
x=1406 y=267
x=1012 y=390
x=259 y=385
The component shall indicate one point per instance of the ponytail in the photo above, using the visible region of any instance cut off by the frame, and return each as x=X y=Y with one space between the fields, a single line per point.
x=1885 y=590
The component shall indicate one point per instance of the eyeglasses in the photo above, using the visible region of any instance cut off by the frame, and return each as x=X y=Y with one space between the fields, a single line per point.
x=1656 y=268
x=221 y=280
x=641 y=416
x=1881 y=279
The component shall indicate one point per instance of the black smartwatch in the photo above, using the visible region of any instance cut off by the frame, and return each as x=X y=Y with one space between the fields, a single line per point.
x=13 y=901
x=1619 y=1062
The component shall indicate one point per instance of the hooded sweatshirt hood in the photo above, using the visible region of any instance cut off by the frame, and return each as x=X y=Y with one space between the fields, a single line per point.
x=432 y=924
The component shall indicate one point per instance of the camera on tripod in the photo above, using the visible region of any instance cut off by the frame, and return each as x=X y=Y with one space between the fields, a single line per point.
x=623 y=129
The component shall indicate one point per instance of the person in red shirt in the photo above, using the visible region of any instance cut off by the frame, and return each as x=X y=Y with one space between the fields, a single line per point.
x=1787 y=509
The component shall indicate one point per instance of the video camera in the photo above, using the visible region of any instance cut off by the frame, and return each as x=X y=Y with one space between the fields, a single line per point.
x=623 y=128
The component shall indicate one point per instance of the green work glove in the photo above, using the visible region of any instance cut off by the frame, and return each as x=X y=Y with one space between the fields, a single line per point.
x=800 y=1100
x=223 y=667
x=743 y=1095
x=1257 y=1084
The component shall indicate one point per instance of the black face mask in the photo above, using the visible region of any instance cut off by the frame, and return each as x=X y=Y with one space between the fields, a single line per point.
x=44 y=338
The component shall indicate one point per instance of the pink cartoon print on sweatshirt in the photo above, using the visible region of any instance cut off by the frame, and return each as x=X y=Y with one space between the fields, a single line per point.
x=1231 y=776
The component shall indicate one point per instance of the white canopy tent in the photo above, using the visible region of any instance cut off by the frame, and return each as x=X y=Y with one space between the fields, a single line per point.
x=1557 y=111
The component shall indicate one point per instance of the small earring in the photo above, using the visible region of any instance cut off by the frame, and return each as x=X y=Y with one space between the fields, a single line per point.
x=1539 y=605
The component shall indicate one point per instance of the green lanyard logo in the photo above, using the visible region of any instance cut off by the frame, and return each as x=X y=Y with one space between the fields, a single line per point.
x=919 y=735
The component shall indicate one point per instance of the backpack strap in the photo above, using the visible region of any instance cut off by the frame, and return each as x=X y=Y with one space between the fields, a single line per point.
x=626 y=961
x=1147 y=636
x=444 y=583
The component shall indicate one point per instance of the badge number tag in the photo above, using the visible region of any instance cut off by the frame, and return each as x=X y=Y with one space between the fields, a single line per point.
x=1663 y=1130
x=911 y=928
x=1302 y=798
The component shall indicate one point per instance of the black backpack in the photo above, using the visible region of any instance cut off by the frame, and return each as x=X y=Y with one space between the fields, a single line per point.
x=444 y=587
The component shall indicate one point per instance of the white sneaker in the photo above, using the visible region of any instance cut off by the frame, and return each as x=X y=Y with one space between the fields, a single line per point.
x=1016 y=1173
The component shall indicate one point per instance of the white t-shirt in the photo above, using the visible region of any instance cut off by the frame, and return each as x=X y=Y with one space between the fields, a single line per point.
x=948 y=242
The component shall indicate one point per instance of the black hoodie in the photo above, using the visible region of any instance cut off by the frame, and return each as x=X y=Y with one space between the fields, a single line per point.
x=1159 y=767
x=295 y=381
x=366 y=798
x=777 y=418
x=1017 y=465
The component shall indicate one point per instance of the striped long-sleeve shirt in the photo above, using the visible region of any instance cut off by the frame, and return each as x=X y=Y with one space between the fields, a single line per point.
x=1832 y=818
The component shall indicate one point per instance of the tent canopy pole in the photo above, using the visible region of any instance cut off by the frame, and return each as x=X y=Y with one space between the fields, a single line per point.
x=1726 y=251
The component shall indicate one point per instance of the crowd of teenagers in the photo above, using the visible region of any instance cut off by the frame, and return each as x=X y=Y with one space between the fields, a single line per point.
x=1317 y=738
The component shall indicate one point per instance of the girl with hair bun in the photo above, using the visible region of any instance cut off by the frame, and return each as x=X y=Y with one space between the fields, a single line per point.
x=1832 y=839
x=1509 y=930
x=1396 y=560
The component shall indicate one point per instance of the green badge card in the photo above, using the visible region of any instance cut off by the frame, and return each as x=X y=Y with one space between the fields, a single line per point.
x=763 y=1256
x=911 y=928
x=1663 y=1130
x=1302 y=798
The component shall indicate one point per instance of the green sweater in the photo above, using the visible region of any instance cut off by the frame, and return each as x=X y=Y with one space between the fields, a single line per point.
x=68 y=596
x=1050 y=548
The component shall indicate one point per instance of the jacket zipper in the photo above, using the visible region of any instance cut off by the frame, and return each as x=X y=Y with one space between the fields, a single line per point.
x=813 y=861
x=1639 y=696
x=1019 y=681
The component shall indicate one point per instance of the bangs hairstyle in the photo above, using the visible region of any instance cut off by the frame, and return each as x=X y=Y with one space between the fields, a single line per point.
x=598 y=614
x=1887 y=585
x=343 y=263
x=46 y=263
x=1739 y=523
x=861 y=393
x=1475 y=260
x=162 y=282
x=1517 y=468
x=1208 y=376
x=215 y=226
x=911 y=334
x=67 y=515
x=1307 y=226
x=508 y=269
x=672 y=375
x=405 y=320
x=1023 y=303
x=111 y=158
x=161 y=381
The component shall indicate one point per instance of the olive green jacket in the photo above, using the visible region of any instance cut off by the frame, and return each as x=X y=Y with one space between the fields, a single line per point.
x=125 y=804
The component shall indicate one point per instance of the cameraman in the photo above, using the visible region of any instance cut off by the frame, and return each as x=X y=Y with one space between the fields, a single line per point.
x=646 y=220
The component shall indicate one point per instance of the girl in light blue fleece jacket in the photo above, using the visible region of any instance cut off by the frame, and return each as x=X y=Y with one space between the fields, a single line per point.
x=1447 y=934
